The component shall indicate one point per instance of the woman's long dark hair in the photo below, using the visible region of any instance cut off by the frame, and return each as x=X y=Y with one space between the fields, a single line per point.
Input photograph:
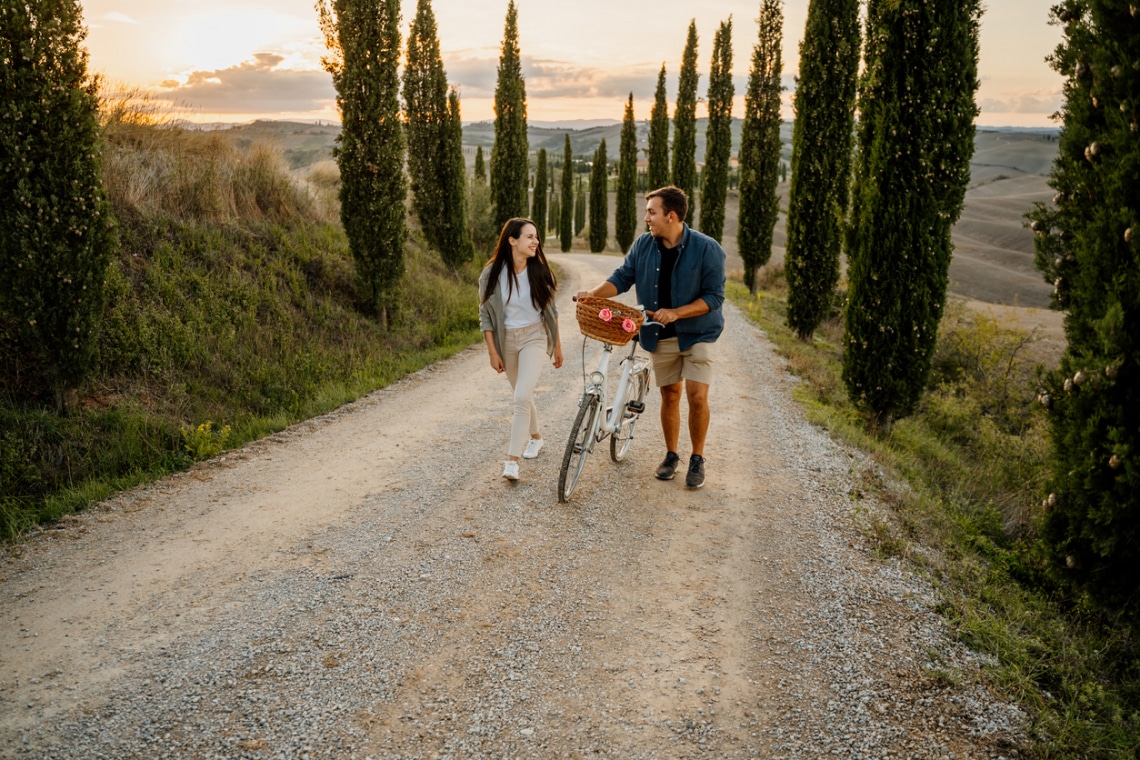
x=542 y=281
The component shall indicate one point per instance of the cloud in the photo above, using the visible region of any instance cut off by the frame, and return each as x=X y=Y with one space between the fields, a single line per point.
x=255 y=86
x=551 y=78
x=1037 y=101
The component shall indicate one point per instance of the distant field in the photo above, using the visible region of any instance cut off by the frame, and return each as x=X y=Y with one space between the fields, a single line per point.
x=993 y=260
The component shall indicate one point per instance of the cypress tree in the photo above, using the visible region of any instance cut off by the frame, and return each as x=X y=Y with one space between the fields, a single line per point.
x=760 y=144
x=426 y=109
x=580 y=208
x=455 y=238
x=625 y=220
x=657 y=174
x=364 y=39
x=435 y=143
x=1088 y=247
x=822 y=138
x=555 y=215
x=510 y=155
x=925 y=76
x=566 y=221
x=480 y=169
x=56 y=230
x=685 y=123
x=599 y=200
x=538 y=206
x=718 y=142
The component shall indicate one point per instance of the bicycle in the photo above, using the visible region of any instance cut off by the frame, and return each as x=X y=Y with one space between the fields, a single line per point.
x=614 y=324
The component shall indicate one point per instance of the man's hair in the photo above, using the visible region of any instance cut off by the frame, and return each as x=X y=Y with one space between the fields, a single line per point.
x=672 y=199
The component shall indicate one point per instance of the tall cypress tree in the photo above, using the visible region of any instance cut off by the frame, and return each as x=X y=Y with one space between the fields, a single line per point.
x=910 y=197
x=822 y=137
x=538 y=205
x=435 y=143
x=760 y=144
x=685 y=123
x=480 y=168
x=625 y=215
x=56 y=236
x=425 y=105
x=580 y=207
x=510 y=155
x=599 y=200
x=718 y=143
x=455 y=237
x=657 y=173
x=1088 y=247
x=364 y=39
x=566 y=222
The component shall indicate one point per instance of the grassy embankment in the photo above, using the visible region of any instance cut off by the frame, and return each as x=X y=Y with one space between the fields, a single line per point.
x=232 y=312
x=973 y=462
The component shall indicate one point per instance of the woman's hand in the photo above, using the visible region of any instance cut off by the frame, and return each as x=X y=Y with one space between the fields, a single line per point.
x=558 y=356
x=497 y=362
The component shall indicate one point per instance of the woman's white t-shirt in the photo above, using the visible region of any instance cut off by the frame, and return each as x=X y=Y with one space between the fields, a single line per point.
x=519 y=309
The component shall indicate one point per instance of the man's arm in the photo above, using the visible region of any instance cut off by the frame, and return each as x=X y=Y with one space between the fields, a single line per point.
x=606 y=290
x=695 y=309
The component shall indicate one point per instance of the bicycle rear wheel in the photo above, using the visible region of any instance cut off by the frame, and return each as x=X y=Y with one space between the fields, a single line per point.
x=622 y=438
x=578 y=447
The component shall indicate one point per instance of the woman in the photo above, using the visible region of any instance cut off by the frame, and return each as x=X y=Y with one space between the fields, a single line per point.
x=520 y=325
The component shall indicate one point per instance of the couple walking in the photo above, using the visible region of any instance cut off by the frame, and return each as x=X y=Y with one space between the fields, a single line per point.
x=679 y=277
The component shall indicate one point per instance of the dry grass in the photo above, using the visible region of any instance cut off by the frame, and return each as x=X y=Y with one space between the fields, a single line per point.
x=155 y=166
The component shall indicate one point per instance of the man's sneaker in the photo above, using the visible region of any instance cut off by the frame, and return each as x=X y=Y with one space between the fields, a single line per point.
x=696 y=476
x=668 y=468
x=511 y=470
x=533 y=446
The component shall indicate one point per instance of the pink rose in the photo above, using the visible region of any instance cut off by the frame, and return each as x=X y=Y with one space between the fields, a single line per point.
x=629 y=326
x=605 y=315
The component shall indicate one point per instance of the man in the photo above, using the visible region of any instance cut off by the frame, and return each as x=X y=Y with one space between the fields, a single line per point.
x=679 y=276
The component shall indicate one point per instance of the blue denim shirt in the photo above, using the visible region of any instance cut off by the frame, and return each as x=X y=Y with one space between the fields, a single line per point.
x=698 y=273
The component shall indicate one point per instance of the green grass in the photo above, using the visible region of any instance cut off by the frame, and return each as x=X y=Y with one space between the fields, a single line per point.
x=233 y=304
x=973 y=460
x=254 y=327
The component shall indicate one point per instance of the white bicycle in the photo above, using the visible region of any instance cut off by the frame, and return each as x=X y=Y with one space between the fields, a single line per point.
x=614 y=324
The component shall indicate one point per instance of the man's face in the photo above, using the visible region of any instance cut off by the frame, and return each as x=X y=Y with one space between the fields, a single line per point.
x=656 y=218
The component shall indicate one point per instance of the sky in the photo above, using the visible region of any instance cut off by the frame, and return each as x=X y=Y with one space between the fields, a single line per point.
x=240 y=60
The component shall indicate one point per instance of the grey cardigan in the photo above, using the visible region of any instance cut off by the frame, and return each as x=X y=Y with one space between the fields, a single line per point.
x=492 y=315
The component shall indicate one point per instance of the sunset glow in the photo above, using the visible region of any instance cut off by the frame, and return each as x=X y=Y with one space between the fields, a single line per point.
x=238 y=60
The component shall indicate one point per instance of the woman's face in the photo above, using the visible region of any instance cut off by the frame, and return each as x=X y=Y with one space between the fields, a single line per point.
x=526 y=244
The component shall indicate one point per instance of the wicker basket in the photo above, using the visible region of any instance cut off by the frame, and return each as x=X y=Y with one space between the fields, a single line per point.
x=593 y=326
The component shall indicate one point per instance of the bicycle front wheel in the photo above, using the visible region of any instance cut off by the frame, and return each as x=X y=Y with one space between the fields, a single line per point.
x=578 y=447
x=622 y=438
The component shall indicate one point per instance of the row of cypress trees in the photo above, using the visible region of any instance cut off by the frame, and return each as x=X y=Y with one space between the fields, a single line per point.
x=363 y=39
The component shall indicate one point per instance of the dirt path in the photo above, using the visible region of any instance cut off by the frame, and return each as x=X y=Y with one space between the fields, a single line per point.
x=365 y=584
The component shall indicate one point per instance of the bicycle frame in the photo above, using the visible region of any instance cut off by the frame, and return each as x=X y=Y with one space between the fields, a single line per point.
x=596 y=386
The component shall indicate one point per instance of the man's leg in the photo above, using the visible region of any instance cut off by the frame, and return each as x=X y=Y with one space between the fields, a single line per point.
x=698 y=394
x=671 y=415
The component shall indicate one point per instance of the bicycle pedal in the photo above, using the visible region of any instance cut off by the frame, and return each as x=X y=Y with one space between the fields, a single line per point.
x=637 y=407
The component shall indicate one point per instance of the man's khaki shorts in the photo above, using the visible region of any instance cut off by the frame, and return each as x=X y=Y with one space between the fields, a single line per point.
x=671 y=365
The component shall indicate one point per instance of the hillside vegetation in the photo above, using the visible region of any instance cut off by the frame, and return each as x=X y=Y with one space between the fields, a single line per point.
x=233 y=311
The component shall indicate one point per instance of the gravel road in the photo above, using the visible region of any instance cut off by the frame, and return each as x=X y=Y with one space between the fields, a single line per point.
x=367 y=585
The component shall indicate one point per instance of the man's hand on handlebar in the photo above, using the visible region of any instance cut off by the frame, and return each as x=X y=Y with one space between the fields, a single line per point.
x=663 y=316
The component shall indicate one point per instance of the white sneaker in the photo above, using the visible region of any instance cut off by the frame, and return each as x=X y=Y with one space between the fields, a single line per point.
x=533 y=446
x=511 y=470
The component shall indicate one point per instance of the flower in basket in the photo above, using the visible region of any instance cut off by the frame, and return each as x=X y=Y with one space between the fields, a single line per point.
x=629 y=326
x=605 y=315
